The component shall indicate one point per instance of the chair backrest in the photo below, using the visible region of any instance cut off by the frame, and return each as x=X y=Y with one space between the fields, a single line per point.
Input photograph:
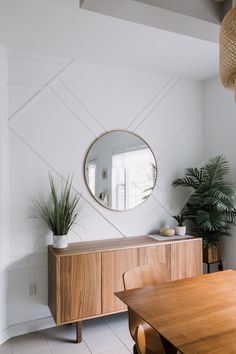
x=140 y=339
x=139 y=277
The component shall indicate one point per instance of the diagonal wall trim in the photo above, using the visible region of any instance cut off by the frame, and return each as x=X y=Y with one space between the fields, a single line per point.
x=72 y=111
x=161 y=205
x=147 y=106
x=63 y=178
x=193 y=116
x=82 y=104
x=164 y=93
x=41 y=91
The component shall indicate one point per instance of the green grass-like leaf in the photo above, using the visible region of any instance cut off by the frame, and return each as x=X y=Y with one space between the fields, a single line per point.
x=61 y=210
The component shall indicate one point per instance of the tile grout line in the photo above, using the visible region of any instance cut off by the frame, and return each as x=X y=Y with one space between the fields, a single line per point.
x=87 y=346
x=49 y=347
x=113 y=331
x=148 y=104
x=158 y=103
x=58 y=174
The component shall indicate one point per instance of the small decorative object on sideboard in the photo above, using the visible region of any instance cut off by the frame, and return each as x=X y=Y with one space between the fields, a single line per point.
x=60 y=211
x=180 y=230
x=211 y=208
x=167 y=231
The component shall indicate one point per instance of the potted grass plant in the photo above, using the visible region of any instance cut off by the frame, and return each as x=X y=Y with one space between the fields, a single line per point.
x=180 y=230
x=211 y=209
x=60 y=211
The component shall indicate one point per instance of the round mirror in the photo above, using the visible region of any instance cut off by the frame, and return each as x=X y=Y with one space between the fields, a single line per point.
x=120 y=170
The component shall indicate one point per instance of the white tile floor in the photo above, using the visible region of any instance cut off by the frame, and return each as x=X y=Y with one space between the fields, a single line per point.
x=107 y=335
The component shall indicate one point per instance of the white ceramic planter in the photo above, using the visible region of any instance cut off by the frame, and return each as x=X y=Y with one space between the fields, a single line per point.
x=60 y=241
x=180 y=230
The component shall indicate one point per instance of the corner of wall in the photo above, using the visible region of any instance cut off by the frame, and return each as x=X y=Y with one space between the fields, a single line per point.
x=4 y=191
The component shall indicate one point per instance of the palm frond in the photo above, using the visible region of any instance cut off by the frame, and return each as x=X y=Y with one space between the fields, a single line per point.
x=215 y=170
x=185 y=182
x=211 y=209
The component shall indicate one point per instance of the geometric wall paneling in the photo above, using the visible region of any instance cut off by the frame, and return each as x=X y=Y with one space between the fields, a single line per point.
x=146 y=218
x=153 y=103
x=78 y=108
x=31 y=234
x=184 y=151
x=19 y=95
x=115 y=97
x=32 y=72
x=167 y=201
x=94 y=225
x=28 y=178
x=184 y=99
x=52 y=130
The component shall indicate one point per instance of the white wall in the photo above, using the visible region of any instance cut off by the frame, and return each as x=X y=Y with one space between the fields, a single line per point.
x=4 y=191
x=220 y=117
x=57 y=107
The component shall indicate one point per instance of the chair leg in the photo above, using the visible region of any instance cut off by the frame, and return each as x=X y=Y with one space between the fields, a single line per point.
x=135 y=349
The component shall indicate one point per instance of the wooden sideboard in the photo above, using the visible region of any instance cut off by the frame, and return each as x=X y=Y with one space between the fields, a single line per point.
x=82 y=278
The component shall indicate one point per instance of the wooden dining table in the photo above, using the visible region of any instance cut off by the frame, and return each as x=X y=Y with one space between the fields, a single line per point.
x=195 y=315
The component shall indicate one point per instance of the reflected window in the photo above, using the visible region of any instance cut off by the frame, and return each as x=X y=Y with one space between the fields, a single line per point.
x=133 y=178
x=120 y=170
x=92 y=170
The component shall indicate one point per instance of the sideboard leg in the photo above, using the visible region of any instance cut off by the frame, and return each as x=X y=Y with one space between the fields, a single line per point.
x=78 y=332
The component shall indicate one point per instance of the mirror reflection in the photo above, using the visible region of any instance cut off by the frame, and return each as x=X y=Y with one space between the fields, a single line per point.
x=120 y=170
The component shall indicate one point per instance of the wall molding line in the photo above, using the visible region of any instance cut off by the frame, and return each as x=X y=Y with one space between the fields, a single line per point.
x=40 y=92
x=166 y=92
x=148 y=104
x=72 y=111
x=63 y=178
x=81 y=103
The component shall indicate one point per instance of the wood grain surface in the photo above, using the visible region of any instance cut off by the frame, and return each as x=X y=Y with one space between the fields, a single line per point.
x=83 y=278
x=80 y=286
x=197 y=315
x=110 y=245
x=186 y=259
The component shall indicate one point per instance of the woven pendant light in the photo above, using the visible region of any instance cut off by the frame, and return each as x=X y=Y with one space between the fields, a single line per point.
x=228 y=50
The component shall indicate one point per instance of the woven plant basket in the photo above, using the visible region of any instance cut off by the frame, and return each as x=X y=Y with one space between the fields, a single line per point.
x=228 y=51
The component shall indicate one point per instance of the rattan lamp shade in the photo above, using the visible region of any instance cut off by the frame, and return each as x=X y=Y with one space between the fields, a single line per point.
x=228 y=51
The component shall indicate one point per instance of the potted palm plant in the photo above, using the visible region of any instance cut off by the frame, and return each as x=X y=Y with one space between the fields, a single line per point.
x=180 y=230
x=60 y=211
x=211 y=209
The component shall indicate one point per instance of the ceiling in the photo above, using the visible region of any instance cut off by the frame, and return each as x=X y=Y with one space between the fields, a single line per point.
x=62 y=28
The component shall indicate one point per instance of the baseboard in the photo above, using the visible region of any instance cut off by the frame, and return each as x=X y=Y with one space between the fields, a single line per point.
x=26 y=327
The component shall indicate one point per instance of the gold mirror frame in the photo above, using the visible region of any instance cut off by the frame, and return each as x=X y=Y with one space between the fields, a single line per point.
x=86 y=161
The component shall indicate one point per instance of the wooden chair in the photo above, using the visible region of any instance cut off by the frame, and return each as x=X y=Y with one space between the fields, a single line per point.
x=141 y=346
x=140 y=339
x=139 y=277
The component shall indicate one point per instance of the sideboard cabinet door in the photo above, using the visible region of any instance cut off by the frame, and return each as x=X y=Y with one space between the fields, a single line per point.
x=186 y=259
x=159 y=258
x=80 y=286
x=114 y=265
